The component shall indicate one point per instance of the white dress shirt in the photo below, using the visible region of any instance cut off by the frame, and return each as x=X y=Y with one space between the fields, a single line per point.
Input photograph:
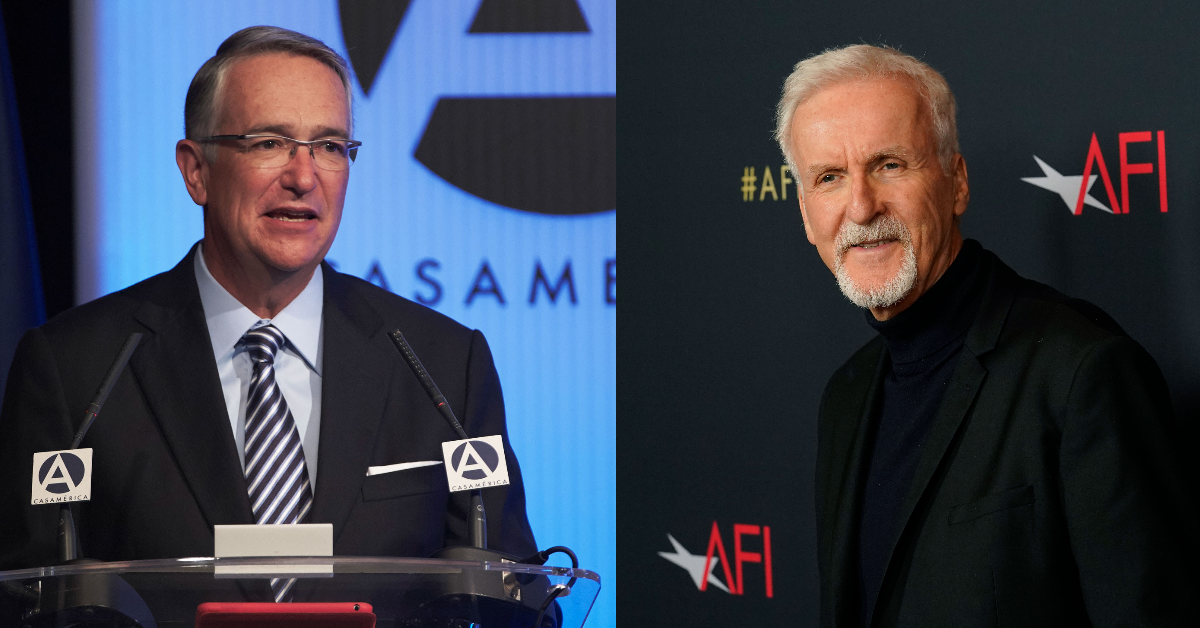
x=297 y=364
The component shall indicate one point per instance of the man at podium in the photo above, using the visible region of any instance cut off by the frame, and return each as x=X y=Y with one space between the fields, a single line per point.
x=265 y=389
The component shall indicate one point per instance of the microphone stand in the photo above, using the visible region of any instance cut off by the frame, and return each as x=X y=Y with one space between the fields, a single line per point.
x=87 y=599
x=488 y=599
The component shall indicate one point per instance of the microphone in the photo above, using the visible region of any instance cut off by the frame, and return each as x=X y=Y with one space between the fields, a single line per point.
x=431 y=388
x=490 y=601
x=478 y=523
x=68 y=537
x=87 y=598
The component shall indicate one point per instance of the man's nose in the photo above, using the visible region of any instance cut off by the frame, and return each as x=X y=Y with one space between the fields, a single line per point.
x=300 y=173
x=865 y=203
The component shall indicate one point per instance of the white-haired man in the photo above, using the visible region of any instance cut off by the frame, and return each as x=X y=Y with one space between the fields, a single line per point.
x=1000 y=454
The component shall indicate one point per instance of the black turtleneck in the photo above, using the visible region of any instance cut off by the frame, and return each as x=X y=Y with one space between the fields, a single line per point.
x=923 y=343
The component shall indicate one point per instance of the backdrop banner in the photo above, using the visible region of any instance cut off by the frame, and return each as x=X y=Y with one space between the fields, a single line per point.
x=732 y=324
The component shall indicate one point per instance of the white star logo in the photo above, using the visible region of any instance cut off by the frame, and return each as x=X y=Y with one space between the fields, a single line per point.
x=1066 y=187
x=693 y=564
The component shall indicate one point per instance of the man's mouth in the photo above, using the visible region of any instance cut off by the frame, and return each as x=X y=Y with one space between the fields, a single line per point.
x=292 y=215
x=870 y=244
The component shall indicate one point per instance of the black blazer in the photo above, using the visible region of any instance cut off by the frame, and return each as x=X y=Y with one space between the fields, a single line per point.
x=1049 y=492
x=165 y=465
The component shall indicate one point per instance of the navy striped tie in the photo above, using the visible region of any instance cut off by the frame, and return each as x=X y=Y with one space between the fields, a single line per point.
x=276 y=475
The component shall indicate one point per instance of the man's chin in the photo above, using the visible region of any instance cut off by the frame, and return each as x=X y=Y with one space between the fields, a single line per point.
x=290 y=262
x=871 y=280
x=873 y=292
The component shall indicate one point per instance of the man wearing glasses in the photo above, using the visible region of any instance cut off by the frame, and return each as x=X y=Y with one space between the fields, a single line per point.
x=265 y=389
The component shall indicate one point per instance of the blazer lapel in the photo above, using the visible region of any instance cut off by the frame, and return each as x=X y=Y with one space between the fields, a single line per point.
x=960 y=393
x=177 y=373
x=962 y=389
x=851 y=446
x=356 y=372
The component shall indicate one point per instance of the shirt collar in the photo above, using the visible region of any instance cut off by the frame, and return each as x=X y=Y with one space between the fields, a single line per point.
x=228 y=320
x=942 y=315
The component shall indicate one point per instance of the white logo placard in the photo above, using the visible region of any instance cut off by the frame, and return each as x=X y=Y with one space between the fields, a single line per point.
x=475 y=463
x=62 y=476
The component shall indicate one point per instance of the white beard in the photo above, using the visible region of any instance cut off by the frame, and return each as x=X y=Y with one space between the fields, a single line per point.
x=893 y=291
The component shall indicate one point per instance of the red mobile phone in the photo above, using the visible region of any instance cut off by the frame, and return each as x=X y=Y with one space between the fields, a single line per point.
x=286 y=615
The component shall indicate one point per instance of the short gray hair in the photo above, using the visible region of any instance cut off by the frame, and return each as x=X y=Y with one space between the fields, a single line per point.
x=863 y=61
x=200 y=107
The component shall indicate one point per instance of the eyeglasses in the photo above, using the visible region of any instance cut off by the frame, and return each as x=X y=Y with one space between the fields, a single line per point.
x=274 y=151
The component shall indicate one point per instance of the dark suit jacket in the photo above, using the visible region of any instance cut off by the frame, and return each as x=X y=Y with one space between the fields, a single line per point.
x=165 y=465
x=1049 y=492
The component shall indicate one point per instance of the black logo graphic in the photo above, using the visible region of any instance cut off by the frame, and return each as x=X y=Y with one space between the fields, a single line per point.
x=488 y=455
x=74 y=467
x=529 y=16
x=543 y=155
x=546 y=155
x=368 y=28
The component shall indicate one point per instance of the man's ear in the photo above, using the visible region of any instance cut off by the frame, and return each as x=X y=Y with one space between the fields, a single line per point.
x=962 y=191
x=804 y=216
x=189 y=156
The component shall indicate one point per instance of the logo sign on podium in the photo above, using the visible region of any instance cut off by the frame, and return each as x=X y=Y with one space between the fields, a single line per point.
x=475 y=463
x=62 y=476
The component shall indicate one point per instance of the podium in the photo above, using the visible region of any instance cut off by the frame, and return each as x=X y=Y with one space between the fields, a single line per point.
x=401 y=592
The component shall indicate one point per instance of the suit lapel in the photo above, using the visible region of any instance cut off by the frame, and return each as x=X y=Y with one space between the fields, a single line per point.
x=963 y=387
x=354 y=390
x=851 y=445
x=177 y=373
x=956 y=401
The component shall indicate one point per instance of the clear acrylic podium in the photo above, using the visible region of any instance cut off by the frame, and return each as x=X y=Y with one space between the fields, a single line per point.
x=403 y=592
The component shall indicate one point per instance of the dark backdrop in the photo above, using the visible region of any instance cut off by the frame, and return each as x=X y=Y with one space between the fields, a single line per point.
x=39 y=43
x=732 y=325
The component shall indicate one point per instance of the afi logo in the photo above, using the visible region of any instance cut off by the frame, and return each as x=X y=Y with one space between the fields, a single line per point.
x=474 y=460
x=700 y=568
x=61 y=473
x=1074 y=190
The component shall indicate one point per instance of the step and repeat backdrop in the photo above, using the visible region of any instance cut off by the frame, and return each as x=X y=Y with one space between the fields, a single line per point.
x=485 y=189
x=732 y=325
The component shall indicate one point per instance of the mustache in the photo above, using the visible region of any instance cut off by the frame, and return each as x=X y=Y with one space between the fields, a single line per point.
x=882 y=227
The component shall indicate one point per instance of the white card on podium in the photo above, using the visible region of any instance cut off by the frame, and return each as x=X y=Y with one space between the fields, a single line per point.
x=260 y=541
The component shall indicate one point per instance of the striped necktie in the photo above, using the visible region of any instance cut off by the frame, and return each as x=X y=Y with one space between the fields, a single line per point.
x=276 y=474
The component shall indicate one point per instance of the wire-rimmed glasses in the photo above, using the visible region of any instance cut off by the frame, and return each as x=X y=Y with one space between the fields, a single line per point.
x=274 y=151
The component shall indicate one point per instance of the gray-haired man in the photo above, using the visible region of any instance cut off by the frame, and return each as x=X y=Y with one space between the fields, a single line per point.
x=1000 y=454
x=265 y=386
